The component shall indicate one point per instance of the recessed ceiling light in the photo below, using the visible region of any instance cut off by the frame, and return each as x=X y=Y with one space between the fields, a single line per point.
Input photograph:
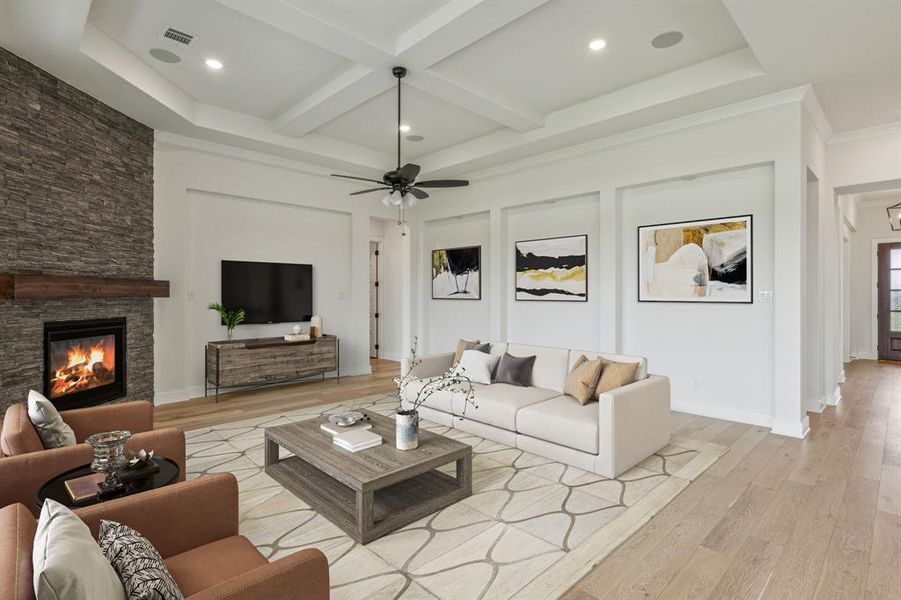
x=214 y=64
x=164 y=55
x=404 y=128
x=415 y=138
x=667 y=40
x=597 y=44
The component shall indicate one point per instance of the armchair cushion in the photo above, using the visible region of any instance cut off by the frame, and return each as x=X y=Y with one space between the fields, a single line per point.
x=209 y=565
x=17 y=528
x=53 y=431
x=67 y=562
x=300 y=576
x=18 y=435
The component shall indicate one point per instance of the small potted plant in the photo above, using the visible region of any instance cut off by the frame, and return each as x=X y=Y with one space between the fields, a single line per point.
x=453 y=380
x=230 y=318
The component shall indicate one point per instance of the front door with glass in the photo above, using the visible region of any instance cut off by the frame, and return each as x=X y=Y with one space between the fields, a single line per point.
x=889 y=301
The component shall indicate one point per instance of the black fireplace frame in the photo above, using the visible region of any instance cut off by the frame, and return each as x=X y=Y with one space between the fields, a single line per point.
x=55 y=331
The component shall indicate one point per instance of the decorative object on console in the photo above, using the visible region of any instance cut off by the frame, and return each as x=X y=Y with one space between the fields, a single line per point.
x=51 y=428
x=230 y=318
x=696 y=261
x=138 y=564
x=453 y=381
x=552 y=269
x=450 y=266
x=109 y=456
x=514 y=370
x=316 y=327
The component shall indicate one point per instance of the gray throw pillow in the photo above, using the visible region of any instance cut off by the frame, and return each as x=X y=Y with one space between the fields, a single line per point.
x=139 y=565
x=67 y=562
x=515 y=370
x=486 y=347
x=52 y=430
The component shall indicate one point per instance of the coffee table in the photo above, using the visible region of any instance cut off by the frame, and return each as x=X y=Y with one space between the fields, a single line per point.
x=373 y=492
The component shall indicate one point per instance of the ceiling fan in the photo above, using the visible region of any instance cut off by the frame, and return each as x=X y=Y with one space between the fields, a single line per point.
x=403 y=189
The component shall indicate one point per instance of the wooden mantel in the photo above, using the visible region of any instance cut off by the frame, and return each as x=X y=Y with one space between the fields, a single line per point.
x=55 y=287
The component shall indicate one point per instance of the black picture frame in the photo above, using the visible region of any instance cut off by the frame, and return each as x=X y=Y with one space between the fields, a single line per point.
x=750 y=267
x=432 y=281
x=539 y=299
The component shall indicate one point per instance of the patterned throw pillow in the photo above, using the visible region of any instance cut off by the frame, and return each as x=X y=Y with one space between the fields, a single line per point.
x=139 y=565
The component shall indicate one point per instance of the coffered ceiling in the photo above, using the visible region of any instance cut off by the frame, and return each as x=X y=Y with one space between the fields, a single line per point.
x=489 y=80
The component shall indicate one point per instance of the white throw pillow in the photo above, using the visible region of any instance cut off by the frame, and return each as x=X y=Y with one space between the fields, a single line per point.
x=67 y=562
x=477 y=366
x=53 y=431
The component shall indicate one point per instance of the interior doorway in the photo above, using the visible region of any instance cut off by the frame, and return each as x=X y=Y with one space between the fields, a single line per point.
x=888 y=285
x=374 y=272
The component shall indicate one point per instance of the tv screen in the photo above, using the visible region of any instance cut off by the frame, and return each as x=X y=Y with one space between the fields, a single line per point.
x=268 y=292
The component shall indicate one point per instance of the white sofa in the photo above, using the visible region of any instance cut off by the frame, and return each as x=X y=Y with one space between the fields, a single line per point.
x=607 y=437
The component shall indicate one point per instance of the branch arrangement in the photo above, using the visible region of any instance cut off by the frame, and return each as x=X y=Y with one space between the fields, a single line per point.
x=453 y=381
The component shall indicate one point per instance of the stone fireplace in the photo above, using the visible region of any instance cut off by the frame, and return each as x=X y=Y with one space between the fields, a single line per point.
x=84 y=362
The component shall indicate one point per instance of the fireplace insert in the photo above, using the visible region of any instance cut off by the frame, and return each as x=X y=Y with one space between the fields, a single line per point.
x=84 y=362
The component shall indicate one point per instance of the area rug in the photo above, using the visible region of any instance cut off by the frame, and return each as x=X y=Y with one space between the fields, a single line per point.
x=531 y=529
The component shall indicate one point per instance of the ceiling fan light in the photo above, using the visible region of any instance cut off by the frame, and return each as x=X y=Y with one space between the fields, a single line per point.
x=410 y=200
x=387 y=199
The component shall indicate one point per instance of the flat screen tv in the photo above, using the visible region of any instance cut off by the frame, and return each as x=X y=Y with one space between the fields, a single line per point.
x=268 y=292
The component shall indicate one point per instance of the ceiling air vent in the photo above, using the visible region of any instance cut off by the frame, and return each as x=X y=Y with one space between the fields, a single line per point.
x=178 y=36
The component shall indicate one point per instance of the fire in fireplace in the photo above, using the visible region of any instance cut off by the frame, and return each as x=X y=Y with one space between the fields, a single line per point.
x=84 y=362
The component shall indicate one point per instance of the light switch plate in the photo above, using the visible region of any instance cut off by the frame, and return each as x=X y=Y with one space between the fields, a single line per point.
x=765 y=295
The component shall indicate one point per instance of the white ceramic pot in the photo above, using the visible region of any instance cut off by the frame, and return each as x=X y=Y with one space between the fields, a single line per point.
x=407 y=437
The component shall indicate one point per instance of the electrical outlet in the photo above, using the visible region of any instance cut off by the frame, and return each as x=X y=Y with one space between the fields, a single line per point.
x=765 y=295
x=343 y=295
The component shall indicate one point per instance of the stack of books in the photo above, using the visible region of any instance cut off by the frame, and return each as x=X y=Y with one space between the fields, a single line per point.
x=358 y=439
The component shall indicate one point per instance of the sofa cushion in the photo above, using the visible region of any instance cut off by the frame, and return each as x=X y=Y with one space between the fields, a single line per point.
x=497 y=403
x=477 y=366
x=640 y=373
x=551 y=365
x=203 y=567
x=614 y=375
x=583 y=379
x=561 y=420
x=67 y=562
x=461 y=346
x=18 y=435
x=442 y=400
x=515 y=370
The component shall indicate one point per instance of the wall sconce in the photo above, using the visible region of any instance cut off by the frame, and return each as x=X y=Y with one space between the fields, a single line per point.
x=894 y=216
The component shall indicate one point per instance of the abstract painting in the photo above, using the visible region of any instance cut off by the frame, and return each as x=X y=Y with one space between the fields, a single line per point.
x=457 y=273
x=552 y=269
x=696 y=261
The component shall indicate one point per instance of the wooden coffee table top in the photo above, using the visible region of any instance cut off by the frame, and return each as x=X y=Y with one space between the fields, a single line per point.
x=369 y=469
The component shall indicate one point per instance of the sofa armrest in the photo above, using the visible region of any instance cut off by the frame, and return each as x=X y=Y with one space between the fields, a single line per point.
x=175 y=518
x=168 y=442
x=131 y=416
x=300 y=576
x=17 y=528
x=22 y=475
x=634 y=423
x=430 y=366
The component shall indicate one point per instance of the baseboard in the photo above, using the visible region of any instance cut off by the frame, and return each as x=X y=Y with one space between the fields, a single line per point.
x=836 y=395
x=391 y=356
x=197 y=391
x=841 y=376
x=867 y=355
x=795 y=429
x=722 y=412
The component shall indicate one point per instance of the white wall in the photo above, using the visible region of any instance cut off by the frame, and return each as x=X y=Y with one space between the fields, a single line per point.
x=717 y=356
x=209 y=207
x=872 y=224
x=514 y=200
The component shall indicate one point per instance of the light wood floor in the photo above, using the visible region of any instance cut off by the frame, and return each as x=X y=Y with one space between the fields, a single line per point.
x=775 y=517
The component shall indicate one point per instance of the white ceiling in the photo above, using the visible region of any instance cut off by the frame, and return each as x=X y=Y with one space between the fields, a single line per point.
x=490 y=80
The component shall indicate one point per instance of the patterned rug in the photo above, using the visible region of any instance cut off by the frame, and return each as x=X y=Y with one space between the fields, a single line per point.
x=531 y=528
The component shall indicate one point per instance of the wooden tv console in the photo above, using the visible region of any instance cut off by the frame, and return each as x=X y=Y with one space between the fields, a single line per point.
x=263 y=361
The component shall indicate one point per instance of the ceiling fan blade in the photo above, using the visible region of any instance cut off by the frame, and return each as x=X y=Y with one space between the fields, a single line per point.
x=408 y=172
x=369 y=190
x=358 y=178
x=443 y=183
x=422 y=195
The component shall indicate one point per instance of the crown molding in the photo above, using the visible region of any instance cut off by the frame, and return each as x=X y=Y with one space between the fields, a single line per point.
x=865 y=133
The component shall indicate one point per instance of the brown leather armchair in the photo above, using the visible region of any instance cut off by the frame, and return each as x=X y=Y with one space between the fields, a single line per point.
x=25 y=465
x=194 y=526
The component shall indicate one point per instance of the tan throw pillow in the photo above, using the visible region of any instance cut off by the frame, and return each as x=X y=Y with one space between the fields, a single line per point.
x=461 y=346
x=614 y=375
x=582 y=379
